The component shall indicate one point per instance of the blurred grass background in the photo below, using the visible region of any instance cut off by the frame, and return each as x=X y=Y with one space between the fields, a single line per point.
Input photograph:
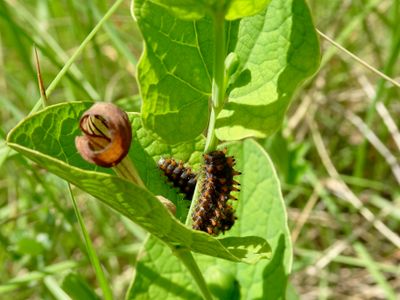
x=337 y=155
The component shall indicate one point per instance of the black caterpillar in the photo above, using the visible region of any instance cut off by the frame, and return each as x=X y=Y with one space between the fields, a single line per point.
x=181 y=177
x=212 y=213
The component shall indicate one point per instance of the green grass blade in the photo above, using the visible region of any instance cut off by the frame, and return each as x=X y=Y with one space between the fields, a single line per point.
x=115 y=38
x=52 y=43
x=91 y=252
x=55 y=289
x=18 y=282
x=375 y=272
x=77 y=53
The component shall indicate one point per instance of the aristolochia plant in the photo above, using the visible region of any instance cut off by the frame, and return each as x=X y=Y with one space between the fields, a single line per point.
x=226 y=68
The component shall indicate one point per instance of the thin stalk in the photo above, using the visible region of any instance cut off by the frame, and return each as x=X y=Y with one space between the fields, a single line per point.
x=42 y=89
x=50 y=283
x=218 y=93
x=189 y=220
x=217 y=103
x=218 y=87
x=40 y=36
x=78 y=52
x=187 y=259
x=126 y=169
x=91 y=252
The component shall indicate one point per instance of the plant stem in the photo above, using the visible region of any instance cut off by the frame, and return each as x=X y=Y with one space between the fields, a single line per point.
x=195 y=198
x=218 y=92
x=91 y=252
x=126 y=169
x=217 y=102
x=218 y=86
x=187 y=259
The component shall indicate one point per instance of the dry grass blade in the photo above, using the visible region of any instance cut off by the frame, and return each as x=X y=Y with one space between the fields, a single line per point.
x=343 y=191
x=381 y=109
x=302 y=219
x=376 y=142
x=40 y=79
x=359 y=60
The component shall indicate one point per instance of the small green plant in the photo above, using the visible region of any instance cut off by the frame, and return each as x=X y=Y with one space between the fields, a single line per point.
x=227 y=68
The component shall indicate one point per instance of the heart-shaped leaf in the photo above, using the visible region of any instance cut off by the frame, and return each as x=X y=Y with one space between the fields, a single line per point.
x=47 y=138
x=261 y=211
x=277 y=50
x=196 y=9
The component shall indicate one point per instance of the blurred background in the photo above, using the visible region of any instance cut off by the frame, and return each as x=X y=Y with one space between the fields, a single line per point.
x=337 y=154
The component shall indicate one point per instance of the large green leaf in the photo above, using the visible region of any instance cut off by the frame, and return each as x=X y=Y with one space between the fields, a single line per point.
x=160 y=275
x=174 y=72
x=196 y=9
x=261 y=211
x=244 y=8
x=186 y=9
x=277 y=50
x=47 y=138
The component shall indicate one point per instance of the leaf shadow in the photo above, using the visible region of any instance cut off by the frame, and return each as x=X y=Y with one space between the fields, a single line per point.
x=243 y=247
x=157 y=279
x=153 y=178
x=274 y=274
x=242 y=79
x=267 y=118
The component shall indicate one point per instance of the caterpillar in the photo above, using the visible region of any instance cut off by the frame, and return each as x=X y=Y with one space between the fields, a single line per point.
x=181 y=177
x=212 y=213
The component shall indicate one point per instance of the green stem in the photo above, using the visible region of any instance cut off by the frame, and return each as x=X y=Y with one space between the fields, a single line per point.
x=218 y=93
x=126 y=169
x=195 y=198
x=217 y=103
x=187 y=259
x=91 y=252
x=218 y=86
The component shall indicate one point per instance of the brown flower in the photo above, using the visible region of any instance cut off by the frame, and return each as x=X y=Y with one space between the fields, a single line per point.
x=107 y=135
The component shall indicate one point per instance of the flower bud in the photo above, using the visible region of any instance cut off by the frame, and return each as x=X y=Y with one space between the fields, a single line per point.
x=107 y=135
x=231 y=64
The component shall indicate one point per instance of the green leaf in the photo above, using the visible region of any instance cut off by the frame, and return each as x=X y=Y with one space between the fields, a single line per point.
x=29 y=246
x=243 y=8
x=147 y=148
x=278 y=49
x=185 y=9
x=261 y=211
x=160 y=275
x=196 y=9
x=174 y=72
x=46 y=139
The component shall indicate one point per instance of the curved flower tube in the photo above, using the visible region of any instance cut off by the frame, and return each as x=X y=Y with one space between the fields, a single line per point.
x=107 y=135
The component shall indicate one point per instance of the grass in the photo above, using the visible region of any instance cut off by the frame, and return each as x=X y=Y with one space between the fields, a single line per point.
x=342 y=192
